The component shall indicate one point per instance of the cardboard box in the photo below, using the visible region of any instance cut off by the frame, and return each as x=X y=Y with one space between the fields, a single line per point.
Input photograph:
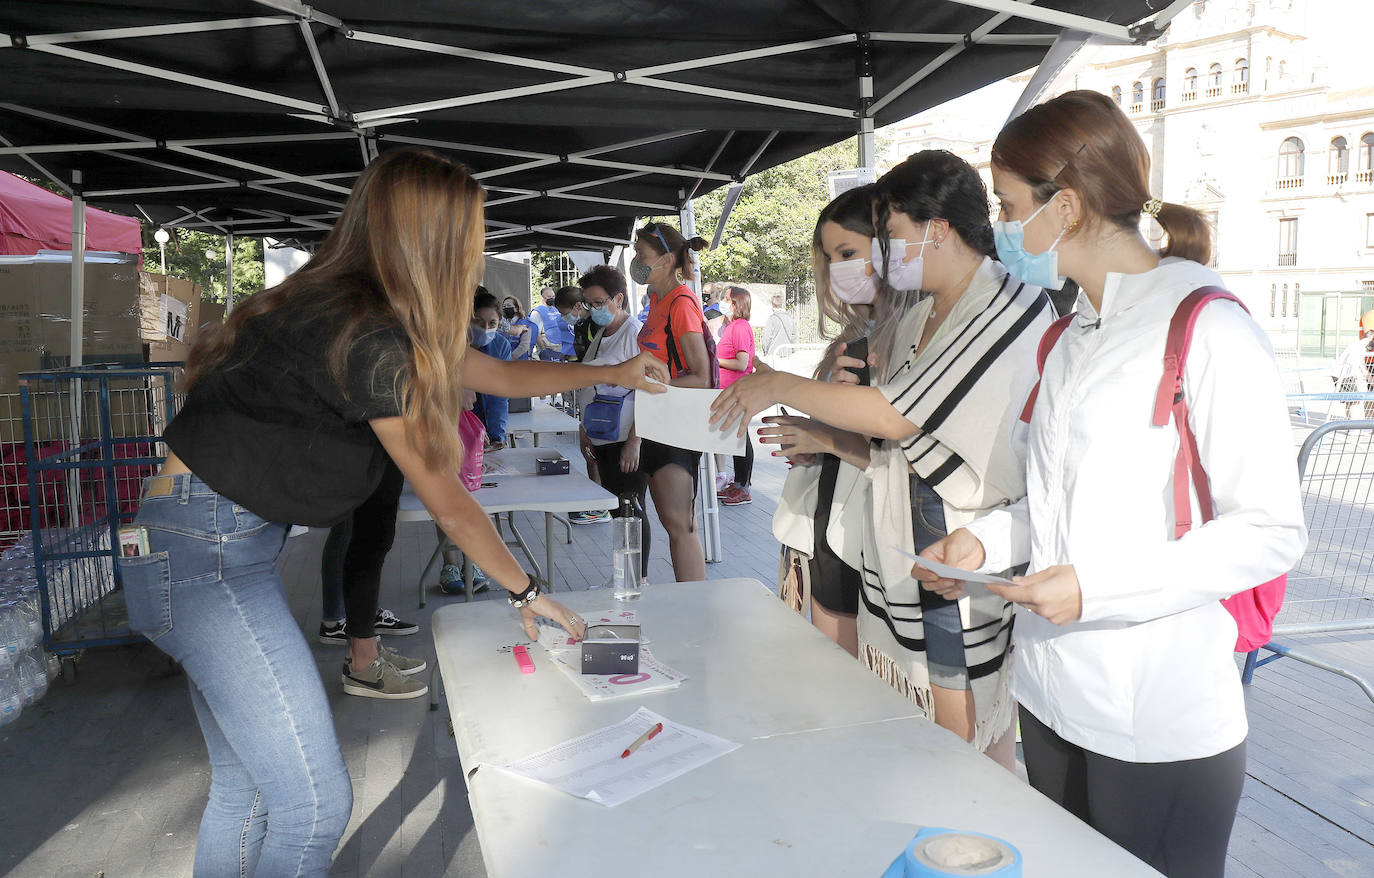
x=169 y=315
x=611 y=649
x=35 y=317
x=210 y=312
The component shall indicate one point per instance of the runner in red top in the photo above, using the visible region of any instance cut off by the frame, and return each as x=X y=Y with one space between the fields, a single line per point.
x=662 y=258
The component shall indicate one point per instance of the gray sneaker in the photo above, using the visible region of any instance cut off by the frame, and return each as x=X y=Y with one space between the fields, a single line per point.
x=381 y=680
x=405 y=665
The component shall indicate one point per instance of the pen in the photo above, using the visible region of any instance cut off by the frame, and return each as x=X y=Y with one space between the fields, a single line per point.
x=642 y=740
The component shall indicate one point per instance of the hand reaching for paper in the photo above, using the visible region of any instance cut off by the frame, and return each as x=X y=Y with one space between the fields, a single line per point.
x=644 y=372
x=737 y=404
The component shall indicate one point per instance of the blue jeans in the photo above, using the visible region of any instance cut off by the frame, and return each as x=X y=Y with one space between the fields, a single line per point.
x=940 y=618
x=209 y=596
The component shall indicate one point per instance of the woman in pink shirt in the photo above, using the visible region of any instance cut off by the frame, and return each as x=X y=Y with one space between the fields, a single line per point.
x=735 y=350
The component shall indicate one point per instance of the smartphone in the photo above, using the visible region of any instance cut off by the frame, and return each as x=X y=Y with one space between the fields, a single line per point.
x=858 y=349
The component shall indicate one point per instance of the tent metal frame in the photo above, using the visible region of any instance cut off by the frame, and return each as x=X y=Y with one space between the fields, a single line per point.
x=362 y=125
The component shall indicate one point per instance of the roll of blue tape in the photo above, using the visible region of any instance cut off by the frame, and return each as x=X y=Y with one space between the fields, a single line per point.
x=948 y=853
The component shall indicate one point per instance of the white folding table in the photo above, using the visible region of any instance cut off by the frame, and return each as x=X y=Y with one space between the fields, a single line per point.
x=541 y=418
x=522 y=491
x=836 y=774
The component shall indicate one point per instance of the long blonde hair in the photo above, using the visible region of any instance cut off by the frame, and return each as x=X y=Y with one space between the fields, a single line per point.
x=406 y=253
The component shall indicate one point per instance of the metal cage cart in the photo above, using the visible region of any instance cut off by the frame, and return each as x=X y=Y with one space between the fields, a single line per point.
x=92 y=434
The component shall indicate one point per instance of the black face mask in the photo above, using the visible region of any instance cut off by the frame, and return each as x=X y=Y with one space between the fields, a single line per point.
x=509 y=312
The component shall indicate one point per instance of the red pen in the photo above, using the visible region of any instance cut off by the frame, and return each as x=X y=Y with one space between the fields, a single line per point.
x=642 y=740
x=522 y=658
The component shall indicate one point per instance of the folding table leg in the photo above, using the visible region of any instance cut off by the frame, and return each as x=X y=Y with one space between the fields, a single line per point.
x=548 y=547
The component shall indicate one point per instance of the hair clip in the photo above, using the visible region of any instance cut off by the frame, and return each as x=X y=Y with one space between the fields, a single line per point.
x=1151 y=207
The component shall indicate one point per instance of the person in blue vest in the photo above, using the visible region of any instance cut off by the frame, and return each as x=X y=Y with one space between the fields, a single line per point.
x=557 y=341
x=519 y=330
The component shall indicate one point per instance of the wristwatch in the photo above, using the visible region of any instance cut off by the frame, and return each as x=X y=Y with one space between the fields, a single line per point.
x=526 y=596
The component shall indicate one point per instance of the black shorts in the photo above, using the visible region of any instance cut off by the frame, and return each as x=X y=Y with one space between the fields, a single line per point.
x=654 y=456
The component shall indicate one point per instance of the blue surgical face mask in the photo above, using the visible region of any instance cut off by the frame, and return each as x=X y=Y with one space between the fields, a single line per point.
x=602 y=316
x=1036 y=269
x=483 y=337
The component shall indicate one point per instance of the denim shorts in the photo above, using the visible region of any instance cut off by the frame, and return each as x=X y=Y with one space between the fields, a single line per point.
x=944 y=628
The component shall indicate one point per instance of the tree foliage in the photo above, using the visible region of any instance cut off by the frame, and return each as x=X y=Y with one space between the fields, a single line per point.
x=186 y=259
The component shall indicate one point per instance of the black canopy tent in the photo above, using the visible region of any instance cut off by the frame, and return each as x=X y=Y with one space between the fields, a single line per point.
x=254 y=116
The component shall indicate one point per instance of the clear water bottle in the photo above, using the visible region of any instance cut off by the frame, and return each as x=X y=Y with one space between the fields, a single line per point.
x=31 y=677
x=626 y=582
x=13 y=634
x=11 y=699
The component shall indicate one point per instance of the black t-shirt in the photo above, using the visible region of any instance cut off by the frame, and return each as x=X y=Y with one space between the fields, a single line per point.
x=272 y=430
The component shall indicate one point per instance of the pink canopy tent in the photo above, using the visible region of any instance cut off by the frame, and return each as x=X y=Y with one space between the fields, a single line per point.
x=33 y=219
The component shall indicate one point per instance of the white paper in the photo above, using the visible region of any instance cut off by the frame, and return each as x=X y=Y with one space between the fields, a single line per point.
x=681 y=417
x=590 y=767
x=974 y=583
x=566 y=653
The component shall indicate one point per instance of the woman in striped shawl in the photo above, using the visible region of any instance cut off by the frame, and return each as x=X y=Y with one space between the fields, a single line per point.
x=938 y=437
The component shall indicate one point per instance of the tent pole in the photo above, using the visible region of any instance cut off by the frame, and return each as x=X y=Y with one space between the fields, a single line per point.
x=867 y=140
x=78 y=268
x=228 y=274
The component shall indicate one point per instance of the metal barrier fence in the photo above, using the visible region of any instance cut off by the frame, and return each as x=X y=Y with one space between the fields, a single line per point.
x=1330 y=589
x=91 y=435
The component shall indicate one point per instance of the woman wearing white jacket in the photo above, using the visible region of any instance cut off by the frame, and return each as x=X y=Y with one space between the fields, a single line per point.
x=1132 y=714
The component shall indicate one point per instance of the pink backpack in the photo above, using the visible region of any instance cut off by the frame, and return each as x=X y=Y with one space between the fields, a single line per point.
x=1254 y=609
x=474 y=437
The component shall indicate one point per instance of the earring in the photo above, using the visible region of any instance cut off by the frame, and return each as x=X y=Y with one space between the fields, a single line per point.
x=937 y=245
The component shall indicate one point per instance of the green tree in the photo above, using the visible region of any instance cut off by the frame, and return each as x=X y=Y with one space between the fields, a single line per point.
x=186 y=259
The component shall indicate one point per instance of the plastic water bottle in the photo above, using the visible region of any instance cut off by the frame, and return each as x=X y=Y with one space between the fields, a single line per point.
x=626 y=582
x=11 y=700
x=30 y=675
x=13 y=634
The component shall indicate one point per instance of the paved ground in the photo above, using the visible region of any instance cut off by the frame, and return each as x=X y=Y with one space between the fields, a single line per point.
x=109 y=776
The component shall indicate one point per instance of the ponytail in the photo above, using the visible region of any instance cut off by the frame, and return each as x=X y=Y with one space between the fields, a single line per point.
x=1190 y=236
x=663 y=238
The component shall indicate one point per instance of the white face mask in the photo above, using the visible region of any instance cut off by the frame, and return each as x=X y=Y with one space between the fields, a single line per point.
x=902 y=274
x=851 y=283
x=727 y=308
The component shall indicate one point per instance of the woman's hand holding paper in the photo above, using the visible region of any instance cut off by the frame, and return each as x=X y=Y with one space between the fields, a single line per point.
x=1053 y=593
x=644 y=372
x=960 y=549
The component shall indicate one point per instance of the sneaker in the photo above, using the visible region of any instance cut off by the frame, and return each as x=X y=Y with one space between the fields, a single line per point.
x=451 y=580
x=333 y=633
x=387 y=623
x=588 y=517
x=722 y=493
x=381 y=680
x=404 y=664
x=736 y=495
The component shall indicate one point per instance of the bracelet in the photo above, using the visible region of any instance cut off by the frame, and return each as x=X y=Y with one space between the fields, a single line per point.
x=526 y=596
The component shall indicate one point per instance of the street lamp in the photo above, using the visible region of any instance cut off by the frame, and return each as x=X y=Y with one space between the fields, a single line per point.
x=162 y=237
x=210 y=254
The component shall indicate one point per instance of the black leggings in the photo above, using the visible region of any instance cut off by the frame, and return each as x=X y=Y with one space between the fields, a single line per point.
x=355 y=551
x=744 y=464
x=1176 y=816
x=626 y=486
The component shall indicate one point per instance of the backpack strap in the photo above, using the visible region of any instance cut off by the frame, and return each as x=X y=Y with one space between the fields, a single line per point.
x=1170 y=401
x=674 y=358
x=1047 y=342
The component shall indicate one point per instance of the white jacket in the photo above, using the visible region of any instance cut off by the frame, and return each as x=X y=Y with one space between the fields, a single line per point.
x=1147 y=674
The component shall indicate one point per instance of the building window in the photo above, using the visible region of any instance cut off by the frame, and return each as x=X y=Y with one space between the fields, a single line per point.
x=1116 y=94
x=1199 y=8
x=1283 y=311
x=1190 y=84
x=1214 y=81
x=1292 y=157
x=1288 y=245
x=1338 y=162
x=1283 y=69
x=1297 y=299
x=1137 y=97
x=1365 y=168
x=1273 y=300
x=1157 y=95
x=1241 y=80
x=1369 y=230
